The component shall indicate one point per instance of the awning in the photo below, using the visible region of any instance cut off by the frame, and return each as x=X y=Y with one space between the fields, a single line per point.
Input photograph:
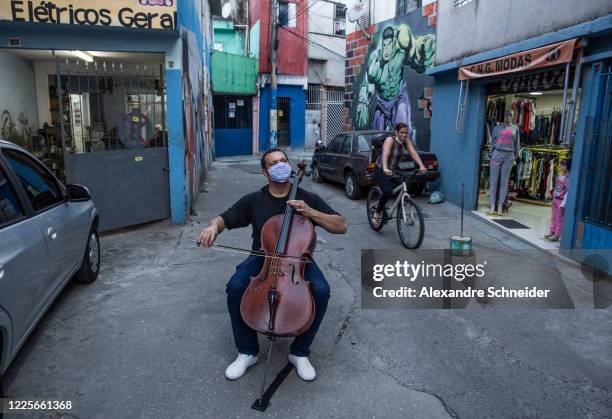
x=545 y=56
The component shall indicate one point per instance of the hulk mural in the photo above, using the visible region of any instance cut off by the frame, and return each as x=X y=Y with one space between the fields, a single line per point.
x=394 y=67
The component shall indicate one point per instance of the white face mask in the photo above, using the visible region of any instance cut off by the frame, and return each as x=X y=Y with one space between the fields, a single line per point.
x=280 y=172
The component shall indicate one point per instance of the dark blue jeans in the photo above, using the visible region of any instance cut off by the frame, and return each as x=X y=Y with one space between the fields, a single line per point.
x=245 y=337
x=387 y=184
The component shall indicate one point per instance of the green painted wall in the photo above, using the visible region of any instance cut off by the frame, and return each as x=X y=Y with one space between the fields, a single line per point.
x=232 y=40
x=231 y=73
x=254 y=40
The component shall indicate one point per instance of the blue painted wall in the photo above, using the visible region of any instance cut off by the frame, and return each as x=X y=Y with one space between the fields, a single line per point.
x=190 y=17
x=592 y=237
x=191 y=147
x=176 y=145
x=458 y=154
x=47 y=36
x=233 y=142
x=297 y=115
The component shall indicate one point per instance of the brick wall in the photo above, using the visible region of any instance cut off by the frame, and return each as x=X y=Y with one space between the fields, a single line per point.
x=356 y=49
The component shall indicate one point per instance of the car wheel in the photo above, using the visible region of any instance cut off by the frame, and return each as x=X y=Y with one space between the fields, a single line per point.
x=90 y=267
x=416 y=189
x=351 y=187
x=316 y=174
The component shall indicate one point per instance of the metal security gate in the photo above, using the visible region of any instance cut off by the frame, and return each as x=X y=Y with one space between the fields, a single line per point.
x=114 y=133
x=233 y=125
x=333 y=110
x=284 y=130
x=596 y=205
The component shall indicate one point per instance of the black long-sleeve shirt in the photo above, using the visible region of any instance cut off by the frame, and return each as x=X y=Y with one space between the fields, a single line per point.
x=258 y=207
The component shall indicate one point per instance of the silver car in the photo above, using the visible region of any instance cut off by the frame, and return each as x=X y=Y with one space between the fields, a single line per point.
x=48 y=235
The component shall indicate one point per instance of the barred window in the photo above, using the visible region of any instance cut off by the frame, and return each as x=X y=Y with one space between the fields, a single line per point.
x=313 y=101
x=340 y=20
x=459 y=3
x=404 y=7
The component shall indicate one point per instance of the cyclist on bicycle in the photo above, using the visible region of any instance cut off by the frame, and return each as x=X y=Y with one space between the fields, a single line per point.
x=394 y=149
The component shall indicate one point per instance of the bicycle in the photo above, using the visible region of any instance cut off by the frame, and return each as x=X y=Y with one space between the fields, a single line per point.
x=410 y=222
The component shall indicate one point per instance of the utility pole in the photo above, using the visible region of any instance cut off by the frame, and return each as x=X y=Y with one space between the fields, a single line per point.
x=273 y=84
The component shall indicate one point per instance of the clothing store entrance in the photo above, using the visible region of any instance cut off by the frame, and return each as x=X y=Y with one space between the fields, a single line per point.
x=527 y=154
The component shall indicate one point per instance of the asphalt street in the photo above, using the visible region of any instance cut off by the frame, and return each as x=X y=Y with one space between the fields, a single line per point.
x=151 y=338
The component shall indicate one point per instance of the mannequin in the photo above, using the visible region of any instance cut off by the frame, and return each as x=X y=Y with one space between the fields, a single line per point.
x=505 y=148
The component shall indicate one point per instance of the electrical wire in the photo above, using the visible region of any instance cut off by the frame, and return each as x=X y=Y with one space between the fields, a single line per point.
x=305 y=53
x=317 y=44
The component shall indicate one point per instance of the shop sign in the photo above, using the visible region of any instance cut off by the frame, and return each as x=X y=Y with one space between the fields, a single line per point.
x=142 y=14
x=540 y=81
x=553 y=54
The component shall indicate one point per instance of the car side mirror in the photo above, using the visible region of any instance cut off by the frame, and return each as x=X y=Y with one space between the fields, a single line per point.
x=77 y=193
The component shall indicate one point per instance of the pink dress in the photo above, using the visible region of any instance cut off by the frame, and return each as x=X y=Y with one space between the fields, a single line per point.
x=556 y=219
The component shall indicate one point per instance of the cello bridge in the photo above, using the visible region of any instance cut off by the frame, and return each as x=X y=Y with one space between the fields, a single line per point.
x=278 y=271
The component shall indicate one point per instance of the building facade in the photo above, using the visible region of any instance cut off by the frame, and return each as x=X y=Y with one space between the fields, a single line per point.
x=388 y=50
x=552 y=70
x=133 y=127
x=234 y=83
x=292 y=69
x=326 y=56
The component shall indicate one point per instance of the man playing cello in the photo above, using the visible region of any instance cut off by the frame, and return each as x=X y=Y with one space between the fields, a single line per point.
x=255 y=209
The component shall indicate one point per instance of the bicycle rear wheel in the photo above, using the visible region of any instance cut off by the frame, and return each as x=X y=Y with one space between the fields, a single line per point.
x=374 y=195
x=410 y=223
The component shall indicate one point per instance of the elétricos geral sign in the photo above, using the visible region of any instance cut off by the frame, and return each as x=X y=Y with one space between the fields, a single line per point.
x=142 y=14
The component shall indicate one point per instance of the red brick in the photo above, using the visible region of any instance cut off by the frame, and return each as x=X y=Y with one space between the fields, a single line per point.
x=429 y=9
x=363 y=42
x=351 y=37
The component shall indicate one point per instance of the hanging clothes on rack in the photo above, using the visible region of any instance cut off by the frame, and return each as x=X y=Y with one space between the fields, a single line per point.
x=555 y=128
x=537 y=172
x=496 y=108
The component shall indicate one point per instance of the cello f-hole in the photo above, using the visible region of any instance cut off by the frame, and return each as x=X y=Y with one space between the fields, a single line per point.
x=272 y=300
x=293 y=280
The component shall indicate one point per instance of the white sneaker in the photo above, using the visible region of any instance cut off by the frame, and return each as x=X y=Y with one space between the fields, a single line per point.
x=237 y=368
x=304 y=368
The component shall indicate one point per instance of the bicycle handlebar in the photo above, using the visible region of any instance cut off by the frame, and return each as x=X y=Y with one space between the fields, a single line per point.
x=408 y=175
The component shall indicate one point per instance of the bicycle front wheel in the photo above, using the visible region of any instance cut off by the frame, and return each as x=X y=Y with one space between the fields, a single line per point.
x=374 y=196
x=410 y=223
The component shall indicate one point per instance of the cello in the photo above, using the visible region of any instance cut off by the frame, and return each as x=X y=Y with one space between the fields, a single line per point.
x=278 y=302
